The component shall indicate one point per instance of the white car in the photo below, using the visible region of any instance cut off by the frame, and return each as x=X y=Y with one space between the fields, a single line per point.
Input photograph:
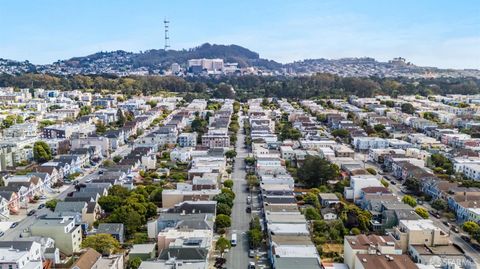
x=88 y=180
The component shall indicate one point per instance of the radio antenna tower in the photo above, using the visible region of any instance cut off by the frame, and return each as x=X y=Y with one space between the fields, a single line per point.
x=167 y=38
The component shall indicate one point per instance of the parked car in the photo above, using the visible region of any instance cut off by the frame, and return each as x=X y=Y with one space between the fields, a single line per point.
x=251 y=253
x=31 y=212
x=455 y=229
x=88 y=180
x=446 y=223
x=15 y=224
x=465 y=238
x=100 y=172
x=251 y=265
x=476 y=246
x=2 y=234
x=248 y=209
x=434 y=213
x=41 y=206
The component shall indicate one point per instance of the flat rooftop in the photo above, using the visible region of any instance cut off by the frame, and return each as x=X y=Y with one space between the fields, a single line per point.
x=373 y=261
x=291 y=240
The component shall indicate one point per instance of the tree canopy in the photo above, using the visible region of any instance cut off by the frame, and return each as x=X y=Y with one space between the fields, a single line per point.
x=41 y=152
x=103 y=243
x=316 y=171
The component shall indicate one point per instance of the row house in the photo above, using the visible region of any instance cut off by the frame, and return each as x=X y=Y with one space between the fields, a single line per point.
x=102 y=143
x=166 y=135
x=461 y=205
x=187 y=139
x=68 y=130
x=117 y=138
x=21 y=130
x=366 y=143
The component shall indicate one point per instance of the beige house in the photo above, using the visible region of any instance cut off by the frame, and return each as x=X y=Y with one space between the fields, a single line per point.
x=67 y=235
x=365 y=244
x=420 y=232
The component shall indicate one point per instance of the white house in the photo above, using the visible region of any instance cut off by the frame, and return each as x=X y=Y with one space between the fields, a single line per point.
x=357 y=183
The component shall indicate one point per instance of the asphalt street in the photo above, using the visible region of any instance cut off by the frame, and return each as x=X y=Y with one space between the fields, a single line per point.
x=238 y=256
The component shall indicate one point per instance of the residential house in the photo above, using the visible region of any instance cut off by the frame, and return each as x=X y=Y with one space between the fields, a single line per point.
x=65 y=232
x=114 y=229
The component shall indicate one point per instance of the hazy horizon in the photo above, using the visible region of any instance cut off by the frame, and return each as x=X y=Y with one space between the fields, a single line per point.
x=428 y=33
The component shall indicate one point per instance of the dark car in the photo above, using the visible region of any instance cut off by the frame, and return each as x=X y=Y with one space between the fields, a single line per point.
x=476 y=246
x=15 y=224
x=446 y=223
x=248 y=210
x=41 y=206
x=434 y=213
x=100 y=172
x=465 y=238
x=31 y=212
x=455 y=229
x=2 y=234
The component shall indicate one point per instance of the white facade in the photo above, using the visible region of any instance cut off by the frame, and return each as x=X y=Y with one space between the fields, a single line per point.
x=357 y=183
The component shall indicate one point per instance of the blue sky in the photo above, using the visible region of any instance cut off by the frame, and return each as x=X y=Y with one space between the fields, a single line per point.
x=426 y=32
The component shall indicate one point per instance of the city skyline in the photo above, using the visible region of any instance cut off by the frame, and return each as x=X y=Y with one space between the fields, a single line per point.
x=430 y=33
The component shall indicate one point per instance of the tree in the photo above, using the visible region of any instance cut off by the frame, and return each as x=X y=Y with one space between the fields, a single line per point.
x=19 y=119
x=342 y=133
x=252 y=180
x=41 y=152
x=311 y=214
x=199 y=125
x=51 y=204
x=249 y=161
x=408 y=108
x=100 y=127
x=120 y=118
x=255 y=237
x=231 y=154
x=85 y=110
x=439 y=204
x=156 y=195
x=471 y=227
x=110 y=202
x=118 y=190
x=222 y=244
x=134 y=263
x=103 y=243
x=311 y=198
x=409 y=200
x=422 y=212
x=108 y=163
x=224 y=91
x=152 y=103
x=117 y=158
x=8 y=121
x=228 y=183
x=223 y=198
x=379 y=128
x=222 y=221
x=129 y=216
x=355 y=231
x=316 y=171
x=371 y=171
x=224 y=209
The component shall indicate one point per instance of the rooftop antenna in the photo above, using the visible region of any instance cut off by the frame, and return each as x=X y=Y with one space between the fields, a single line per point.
x=167 y=38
